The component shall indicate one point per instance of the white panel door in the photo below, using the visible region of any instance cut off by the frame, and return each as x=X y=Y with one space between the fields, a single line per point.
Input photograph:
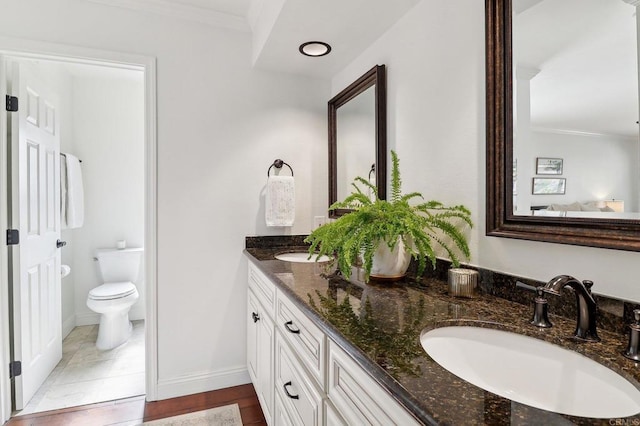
x=35 y=212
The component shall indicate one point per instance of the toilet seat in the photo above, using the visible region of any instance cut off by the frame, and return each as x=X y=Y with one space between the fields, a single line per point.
x=111 y=291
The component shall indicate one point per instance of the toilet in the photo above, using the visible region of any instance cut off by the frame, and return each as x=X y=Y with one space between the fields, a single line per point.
x=119 y=269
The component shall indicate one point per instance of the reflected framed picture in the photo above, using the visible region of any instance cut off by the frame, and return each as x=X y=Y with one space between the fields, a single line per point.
x=549 y=186
x=548 y=166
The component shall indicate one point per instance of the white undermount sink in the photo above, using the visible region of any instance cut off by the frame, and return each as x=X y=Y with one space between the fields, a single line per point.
x=302 y=257
x=532 y=372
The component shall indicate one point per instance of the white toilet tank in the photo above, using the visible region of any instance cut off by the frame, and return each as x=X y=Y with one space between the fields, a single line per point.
x=118 y=265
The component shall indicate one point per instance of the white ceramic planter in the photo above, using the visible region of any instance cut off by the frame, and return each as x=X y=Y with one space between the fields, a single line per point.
x=390 y=265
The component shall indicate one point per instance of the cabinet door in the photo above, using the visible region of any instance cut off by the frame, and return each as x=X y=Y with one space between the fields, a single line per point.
x=260 y=343
x=265 y=351
x=252 y=337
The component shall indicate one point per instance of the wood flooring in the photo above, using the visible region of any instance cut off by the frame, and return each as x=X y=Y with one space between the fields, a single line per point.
x=133 y=411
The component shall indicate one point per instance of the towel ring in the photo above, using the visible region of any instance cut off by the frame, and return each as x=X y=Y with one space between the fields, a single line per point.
x=278 y=163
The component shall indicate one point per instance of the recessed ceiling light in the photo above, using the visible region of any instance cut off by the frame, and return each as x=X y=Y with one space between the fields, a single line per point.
x=315 y=48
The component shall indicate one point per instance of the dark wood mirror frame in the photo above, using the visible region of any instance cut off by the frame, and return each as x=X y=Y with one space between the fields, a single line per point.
x=375 y=76
x=501 y=222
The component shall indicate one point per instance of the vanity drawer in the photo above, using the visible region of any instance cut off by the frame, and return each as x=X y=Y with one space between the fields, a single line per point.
x=357 y=397
x=281 y=418
x=299 y=396
x=262 y=287
x=306 y=339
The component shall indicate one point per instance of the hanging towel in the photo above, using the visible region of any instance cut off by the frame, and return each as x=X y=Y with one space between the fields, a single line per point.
x=74 y=207
x=63 y=191
x=280 y=206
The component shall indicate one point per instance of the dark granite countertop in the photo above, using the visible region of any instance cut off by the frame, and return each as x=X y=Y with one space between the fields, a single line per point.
x=380 y=324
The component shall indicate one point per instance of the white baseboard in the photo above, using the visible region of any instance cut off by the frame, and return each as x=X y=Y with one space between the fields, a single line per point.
x=137 y=313
x=92 y=318
x=87 y=318
x=68 y=325
x=197 y=383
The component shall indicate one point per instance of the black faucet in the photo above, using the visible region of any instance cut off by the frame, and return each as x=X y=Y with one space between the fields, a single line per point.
x=586 y=305
x=540 y=310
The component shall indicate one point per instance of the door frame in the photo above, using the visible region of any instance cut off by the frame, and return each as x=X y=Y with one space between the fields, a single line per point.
x=29 y=49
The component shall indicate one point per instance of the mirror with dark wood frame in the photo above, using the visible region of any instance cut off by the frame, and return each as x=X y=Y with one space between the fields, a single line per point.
x=502 y=221
x=358 y=130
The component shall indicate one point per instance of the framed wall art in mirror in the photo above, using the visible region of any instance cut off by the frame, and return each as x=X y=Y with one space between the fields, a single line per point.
x=549 y=166
x=537 y=107
x=542 y=186
x=358 y=136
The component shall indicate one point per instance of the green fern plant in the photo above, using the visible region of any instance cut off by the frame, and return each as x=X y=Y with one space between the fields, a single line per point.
x=421 y=227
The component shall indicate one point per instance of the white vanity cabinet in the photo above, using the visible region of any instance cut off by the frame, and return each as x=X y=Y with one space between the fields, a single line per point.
x=301 y=376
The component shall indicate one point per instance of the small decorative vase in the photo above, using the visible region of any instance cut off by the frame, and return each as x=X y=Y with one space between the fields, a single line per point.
x=462 y=282
x=390 y=265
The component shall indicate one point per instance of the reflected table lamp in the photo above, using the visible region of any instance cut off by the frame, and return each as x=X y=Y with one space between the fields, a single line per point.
x=615 y=205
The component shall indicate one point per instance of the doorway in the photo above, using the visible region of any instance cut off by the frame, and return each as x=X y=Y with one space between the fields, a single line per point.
x=106 y=62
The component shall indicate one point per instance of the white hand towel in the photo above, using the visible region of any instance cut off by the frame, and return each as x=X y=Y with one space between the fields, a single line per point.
x=280 y=205
x=75 y=193
x=63 y=192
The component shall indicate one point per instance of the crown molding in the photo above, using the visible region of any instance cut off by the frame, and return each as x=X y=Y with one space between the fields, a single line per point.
x=571 y=132
x=635 y=3
x=183 y=11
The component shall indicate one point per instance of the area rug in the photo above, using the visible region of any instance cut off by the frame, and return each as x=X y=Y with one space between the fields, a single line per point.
x=228 y=415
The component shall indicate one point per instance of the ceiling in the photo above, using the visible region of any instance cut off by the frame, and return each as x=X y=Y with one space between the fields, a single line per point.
x=583 y=56
x=278 y=27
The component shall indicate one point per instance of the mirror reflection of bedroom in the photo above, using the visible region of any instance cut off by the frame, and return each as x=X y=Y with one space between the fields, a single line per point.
x=576 y=147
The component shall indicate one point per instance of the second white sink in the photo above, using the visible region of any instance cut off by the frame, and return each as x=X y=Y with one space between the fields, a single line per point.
x=302 y=257
x=532 y=372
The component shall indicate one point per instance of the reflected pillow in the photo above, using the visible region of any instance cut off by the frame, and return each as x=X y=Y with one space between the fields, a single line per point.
x=589 y=208
x=573 y=207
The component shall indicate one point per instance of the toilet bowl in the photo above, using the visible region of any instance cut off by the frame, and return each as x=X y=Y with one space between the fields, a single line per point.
x=113 y=301
x=119 y=269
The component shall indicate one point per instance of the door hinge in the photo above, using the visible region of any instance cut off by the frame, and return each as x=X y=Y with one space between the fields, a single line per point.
x=13 y=237
x=15 y=369
x=12 y=103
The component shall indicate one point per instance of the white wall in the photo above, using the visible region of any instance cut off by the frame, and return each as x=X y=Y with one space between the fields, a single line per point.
x=220 y=125
x=436 y=106
x=108 y=130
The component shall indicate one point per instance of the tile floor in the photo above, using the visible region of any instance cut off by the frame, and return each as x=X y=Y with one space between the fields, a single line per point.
x=86 y=375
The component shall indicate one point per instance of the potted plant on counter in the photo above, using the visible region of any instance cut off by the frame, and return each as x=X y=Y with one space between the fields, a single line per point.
x=384 y=234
